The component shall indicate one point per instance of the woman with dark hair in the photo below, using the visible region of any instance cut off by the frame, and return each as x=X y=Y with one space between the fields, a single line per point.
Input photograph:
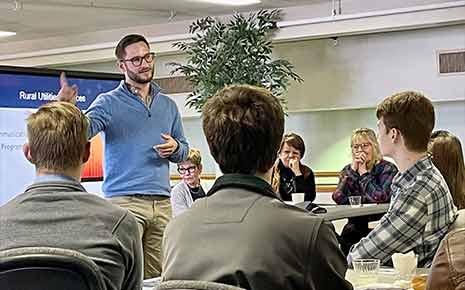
x=448 y=158
x=289 y=174
x=368 y=176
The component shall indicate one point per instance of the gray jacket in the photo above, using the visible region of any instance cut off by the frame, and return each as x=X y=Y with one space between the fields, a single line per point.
x=61 y=214
x=241 y=234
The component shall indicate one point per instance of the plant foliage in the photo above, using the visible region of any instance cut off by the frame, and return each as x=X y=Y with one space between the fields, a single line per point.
x=236 y=52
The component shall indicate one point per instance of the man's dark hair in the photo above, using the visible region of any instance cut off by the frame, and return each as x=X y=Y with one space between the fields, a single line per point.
x=244 y=126
x=412 y=114
x=125 y=42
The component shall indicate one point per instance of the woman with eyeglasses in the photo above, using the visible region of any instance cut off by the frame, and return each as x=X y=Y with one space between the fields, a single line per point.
x=368 y=176
x=289 y=174
x=447 y=156
x=190 y=188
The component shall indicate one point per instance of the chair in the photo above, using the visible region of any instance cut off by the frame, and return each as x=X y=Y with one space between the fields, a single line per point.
x=32 y=268
x=194 y=285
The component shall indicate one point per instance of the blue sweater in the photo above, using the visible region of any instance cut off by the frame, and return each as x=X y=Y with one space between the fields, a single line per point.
x=131 y=129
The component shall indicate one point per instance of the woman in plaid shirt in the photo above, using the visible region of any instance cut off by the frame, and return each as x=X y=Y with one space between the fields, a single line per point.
x=368 y=176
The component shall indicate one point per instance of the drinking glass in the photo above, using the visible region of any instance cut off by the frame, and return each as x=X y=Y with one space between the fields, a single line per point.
x=355 y=201
x=366 y=270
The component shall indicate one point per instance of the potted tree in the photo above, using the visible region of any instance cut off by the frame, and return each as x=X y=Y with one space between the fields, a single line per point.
x=235 y=52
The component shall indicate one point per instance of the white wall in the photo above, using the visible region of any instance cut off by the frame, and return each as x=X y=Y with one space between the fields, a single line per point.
x=327 y=133
x=344 y=83
x=361 y=70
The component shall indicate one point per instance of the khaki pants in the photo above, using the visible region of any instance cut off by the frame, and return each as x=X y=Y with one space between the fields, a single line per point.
x=152 y=213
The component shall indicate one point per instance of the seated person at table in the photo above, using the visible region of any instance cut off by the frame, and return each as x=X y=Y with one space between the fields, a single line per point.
x=289 y=174
x=368 y=176
x=56 y=211
x=241 y=234
x=447 y=156
x=448 y=269
x=421 y=208
x=190 y=188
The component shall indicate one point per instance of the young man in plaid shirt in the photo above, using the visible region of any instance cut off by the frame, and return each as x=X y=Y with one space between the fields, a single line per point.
x=421 y=208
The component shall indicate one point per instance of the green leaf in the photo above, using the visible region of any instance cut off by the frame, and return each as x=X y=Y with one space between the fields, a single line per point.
x=236 y=52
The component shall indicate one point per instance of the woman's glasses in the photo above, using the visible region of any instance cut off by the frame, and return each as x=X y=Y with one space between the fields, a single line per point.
x=183 y=170
x=362 y=146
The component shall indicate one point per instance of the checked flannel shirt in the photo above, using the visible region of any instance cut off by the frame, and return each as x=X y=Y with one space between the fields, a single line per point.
x=373 y=186
x=419 y=215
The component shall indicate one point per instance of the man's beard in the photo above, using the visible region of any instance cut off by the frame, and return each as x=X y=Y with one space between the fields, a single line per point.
x=138 y=79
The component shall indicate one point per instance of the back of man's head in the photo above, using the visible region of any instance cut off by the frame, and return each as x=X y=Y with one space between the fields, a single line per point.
x=412 y=114
x=244 y=126
x=57 y=136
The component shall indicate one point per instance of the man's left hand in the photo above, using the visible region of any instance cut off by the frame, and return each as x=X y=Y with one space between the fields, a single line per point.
x=169 y=147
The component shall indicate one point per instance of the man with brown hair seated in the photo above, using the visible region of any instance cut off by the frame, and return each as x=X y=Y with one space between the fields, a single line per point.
x=421 y=208
x=241 y=234
x=56 y=211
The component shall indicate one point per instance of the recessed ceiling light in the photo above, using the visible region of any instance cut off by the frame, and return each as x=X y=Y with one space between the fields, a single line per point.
x=231 y=2
x=6 y=33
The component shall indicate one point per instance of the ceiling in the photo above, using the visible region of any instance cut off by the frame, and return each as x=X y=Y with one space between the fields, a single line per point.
x=33 y=19
x=70 y=31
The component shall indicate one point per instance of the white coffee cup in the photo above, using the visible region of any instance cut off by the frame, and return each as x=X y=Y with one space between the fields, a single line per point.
x=298 y=197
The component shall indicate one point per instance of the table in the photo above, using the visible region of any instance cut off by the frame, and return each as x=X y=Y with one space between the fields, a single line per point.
x=386 y=277
x=337 y=212
x=149 y=284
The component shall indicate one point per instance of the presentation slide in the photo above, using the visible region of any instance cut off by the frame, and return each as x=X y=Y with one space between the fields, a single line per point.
x=21 y=93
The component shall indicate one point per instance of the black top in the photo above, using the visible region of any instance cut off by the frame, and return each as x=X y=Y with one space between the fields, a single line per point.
x=289 y=183
x=196 y=192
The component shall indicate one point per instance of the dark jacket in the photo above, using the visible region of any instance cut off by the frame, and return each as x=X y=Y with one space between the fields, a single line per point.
x=241 y=234
x=61 y=214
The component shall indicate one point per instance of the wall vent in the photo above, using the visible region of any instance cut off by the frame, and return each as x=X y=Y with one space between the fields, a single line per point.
x=451 y=62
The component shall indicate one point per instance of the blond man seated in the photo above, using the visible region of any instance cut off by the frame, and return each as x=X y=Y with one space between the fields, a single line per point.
x=56 y=211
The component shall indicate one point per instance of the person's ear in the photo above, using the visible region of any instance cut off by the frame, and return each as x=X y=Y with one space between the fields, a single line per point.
x=27 y=152
x=200 y=168
x=86 y=154
x=121 y=66
x=395 y=135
